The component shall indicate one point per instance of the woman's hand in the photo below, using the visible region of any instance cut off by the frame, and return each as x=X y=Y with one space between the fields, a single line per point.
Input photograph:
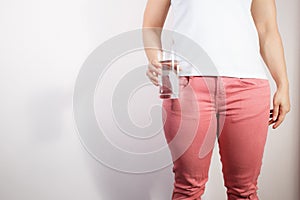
x=154 y=69
x=281 y=106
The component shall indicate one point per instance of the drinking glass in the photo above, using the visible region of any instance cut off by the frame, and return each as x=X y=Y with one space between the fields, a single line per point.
x=169 y=79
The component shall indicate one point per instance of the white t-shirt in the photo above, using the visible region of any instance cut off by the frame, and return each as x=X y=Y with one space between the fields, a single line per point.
x=225 y=30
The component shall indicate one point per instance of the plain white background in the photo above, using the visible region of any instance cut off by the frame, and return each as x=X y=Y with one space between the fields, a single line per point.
x=43 y=45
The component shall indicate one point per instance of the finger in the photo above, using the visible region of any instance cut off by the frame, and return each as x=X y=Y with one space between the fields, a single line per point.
x=275 y=112
x=282 y=114
x=271 y=113
x=279 y=121
x=155 y=81
x=156 y=64
x=271 y=121
x=152 y=78
x=151 y=75
x=154 y=69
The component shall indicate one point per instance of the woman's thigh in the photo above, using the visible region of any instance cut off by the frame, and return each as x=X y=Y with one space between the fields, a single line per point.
x=188 y=121
x=244 y=132
x=191 y=118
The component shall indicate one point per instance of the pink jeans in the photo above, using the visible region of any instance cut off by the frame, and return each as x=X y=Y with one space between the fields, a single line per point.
x=235 y=111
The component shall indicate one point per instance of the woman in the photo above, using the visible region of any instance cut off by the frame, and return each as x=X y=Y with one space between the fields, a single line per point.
x=234 y=103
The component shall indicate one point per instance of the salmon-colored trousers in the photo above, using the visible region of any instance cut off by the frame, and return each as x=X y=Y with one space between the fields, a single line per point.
x=230 y=110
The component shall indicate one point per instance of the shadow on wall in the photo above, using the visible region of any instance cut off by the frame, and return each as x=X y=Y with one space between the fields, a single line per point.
x=115 y=185
x=48 y=112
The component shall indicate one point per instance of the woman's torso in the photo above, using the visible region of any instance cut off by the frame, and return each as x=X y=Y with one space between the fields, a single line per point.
x=225 y=30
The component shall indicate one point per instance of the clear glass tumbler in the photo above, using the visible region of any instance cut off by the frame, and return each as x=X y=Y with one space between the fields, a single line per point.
x=169 y=79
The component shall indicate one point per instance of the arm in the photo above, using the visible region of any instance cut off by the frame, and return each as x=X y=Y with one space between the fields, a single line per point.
x=271 y=49
x=154 y=18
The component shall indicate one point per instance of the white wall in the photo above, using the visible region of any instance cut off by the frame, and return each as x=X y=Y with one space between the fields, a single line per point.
x=43 y=45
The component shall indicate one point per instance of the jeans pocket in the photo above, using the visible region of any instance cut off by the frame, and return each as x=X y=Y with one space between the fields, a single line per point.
x=249 y=81
x=184 y=81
